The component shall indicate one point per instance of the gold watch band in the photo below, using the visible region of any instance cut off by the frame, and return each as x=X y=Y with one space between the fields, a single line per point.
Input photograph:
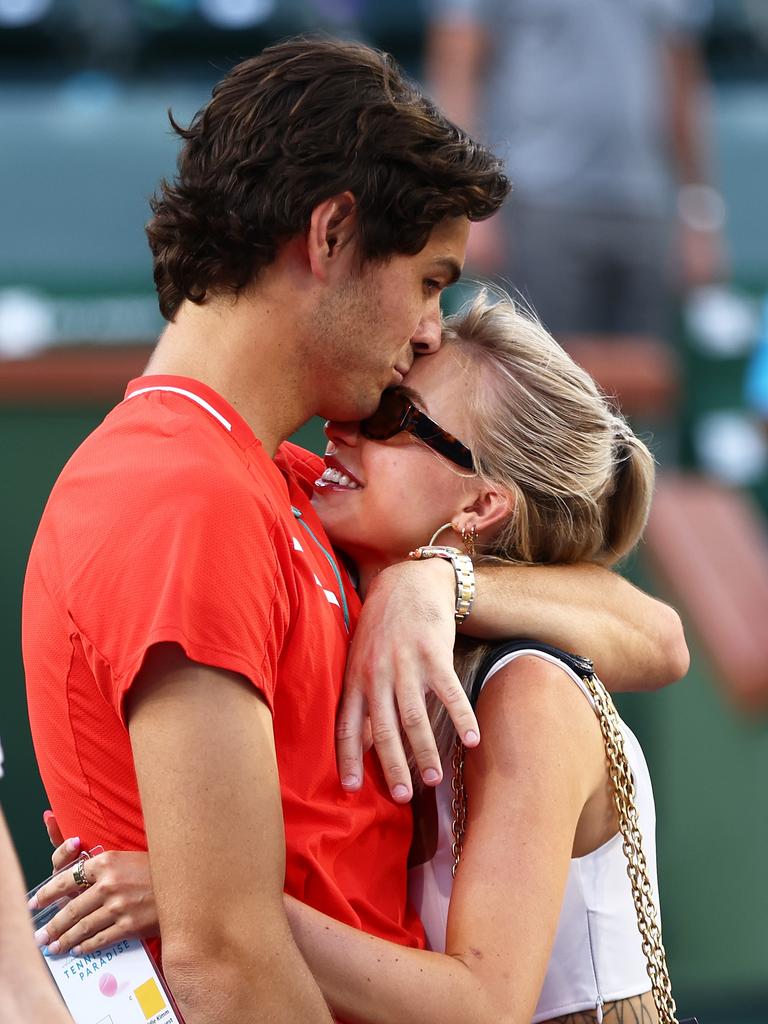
x=463 y=570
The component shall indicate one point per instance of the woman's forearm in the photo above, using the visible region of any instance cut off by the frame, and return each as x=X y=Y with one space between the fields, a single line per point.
x=367 y=980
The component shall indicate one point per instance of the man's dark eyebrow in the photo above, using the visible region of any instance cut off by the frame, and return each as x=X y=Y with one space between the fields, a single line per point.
x=452 y=269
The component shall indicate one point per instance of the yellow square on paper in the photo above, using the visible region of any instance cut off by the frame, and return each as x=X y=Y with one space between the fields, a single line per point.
x=150 y=998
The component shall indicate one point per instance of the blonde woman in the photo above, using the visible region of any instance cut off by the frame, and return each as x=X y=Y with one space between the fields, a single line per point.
x=503 y=441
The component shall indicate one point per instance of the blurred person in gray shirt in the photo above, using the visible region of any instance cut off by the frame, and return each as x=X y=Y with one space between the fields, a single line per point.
x=597 y=106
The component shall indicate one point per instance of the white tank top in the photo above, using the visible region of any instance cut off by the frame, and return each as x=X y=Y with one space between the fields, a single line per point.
x=597 y=955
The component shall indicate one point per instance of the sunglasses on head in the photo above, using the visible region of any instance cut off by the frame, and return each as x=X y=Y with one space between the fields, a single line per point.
x=397 y=413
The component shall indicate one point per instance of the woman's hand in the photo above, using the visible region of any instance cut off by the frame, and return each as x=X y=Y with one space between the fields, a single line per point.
x=118 y=903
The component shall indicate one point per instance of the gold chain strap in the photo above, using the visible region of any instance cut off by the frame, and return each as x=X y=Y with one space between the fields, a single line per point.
x=458 y=803
x=637 y=868
x=623 y=786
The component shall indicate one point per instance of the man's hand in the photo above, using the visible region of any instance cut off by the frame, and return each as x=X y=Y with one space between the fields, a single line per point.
x=402 y=650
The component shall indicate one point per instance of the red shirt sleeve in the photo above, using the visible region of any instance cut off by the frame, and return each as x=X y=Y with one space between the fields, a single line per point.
x=187 y=553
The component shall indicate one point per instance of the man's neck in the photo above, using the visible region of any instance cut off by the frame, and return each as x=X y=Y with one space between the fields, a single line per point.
x=246 y=356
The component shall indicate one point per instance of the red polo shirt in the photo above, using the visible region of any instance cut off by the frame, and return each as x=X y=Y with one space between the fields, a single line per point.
x=171 y=523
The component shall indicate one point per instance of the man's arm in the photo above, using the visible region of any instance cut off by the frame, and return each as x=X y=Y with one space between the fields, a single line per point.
x=403 y=648
x=27 y=992
x=205 y=761
x=635 y=641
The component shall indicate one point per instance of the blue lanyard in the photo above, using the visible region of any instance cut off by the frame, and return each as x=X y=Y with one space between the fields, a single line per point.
x=331 y=562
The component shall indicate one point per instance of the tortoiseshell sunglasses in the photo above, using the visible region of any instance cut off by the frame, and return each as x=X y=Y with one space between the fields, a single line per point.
x=396 y=413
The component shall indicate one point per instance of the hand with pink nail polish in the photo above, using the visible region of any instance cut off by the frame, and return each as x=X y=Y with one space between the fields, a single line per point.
x=119 y=902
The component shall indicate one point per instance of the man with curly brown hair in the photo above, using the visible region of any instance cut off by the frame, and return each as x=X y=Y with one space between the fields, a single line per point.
x=185 y=634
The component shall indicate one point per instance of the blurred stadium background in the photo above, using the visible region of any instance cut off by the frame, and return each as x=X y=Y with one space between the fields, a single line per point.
x=84 y=137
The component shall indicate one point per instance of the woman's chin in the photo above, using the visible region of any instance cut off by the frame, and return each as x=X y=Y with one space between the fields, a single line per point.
x=328 y=513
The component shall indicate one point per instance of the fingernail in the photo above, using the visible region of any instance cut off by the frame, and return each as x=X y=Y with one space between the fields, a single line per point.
x=41 y=936
x=76 y=950
x=32 y=903
x=471 y=739
x=54 y=947
x=350 y=781
x=401 y=792
x=431 y=775
x=73 y=843
x=46 y=816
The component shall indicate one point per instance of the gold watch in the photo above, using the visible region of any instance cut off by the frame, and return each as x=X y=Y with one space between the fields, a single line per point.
x=463 y=569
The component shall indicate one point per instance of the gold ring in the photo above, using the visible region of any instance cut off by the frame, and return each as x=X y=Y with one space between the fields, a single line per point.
x=79 y=876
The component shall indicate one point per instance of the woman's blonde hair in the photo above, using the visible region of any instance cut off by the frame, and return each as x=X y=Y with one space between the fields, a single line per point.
x=581 y=480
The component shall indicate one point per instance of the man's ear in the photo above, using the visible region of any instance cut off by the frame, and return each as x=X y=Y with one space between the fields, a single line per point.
x=332 y=232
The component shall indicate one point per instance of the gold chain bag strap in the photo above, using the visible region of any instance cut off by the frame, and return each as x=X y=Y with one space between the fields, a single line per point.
x=623 y=785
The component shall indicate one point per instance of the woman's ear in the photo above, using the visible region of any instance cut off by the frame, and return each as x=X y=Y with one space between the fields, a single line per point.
x=487 y=509
x=332 y=227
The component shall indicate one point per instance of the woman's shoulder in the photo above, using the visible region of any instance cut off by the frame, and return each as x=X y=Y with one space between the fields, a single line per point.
x=526 y=659
x=531 y=675
x=532 y=702
x=509 y=649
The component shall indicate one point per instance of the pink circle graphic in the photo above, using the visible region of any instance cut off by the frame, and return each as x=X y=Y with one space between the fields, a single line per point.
x=108 y=984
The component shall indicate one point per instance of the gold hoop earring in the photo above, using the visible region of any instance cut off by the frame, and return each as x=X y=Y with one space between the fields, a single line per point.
x=468 y=538
x=436 y=534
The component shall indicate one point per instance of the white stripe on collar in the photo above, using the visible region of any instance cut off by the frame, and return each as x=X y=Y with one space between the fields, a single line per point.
x=187 y=394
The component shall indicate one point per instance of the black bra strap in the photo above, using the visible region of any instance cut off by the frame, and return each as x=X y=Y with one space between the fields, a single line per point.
x=583 y=667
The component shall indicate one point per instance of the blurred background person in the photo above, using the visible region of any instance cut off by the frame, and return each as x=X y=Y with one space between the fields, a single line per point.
x=598 y=107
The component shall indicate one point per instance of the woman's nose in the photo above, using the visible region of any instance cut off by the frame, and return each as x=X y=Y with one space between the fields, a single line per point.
x=342 y=433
